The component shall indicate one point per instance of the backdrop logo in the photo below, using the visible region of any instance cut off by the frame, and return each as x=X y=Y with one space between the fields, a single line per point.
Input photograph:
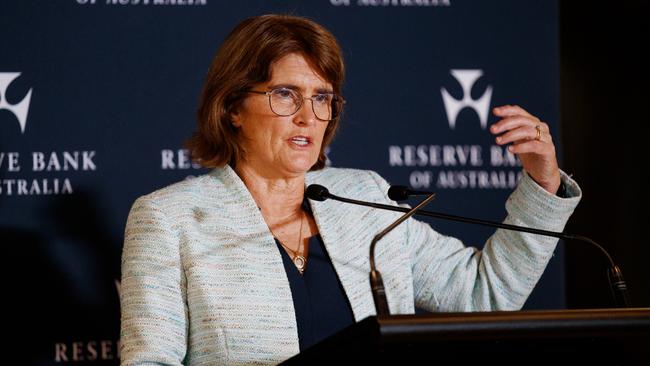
x=453 y=106
x=43 y=178
x=19 y=109
x=465 y=165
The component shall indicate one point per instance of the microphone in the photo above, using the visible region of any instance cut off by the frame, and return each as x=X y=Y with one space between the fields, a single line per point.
x=617 y=283
x=317 y=192
x=401 y=193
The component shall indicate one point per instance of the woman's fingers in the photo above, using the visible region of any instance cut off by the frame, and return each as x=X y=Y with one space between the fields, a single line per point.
x=530 y=139
x=510 y=122
x=525 y=132
x=534 y=146
x=511 y=110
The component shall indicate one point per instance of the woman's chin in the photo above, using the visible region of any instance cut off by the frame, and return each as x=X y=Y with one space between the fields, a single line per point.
x=299 y=166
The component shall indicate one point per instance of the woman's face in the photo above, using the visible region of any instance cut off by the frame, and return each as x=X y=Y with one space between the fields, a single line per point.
x=277 y=146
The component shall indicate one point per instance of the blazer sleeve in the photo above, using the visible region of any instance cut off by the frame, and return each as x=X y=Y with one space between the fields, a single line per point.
x=154 y=318
x=449 y=276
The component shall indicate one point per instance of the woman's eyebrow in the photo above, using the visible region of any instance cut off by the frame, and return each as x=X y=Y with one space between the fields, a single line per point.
x=284 y=85
x=320 y=90
x=324 y=90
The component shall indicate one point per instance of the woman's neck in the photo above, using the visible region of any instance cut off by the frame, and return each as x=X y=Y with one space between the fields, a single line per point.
x=278 y=197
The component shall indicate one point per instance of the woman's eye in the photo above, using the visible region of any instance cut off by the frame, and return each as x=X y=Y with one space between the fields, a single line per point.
x=322 y=98
x=284 y=93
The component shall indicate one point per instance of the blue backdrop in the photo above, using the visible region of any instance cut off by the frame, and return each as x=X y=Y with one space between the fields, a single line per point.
x=97 y=97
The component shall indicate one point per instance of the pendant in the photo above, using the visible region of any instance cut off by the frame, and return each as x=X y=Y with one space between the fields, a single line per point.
x=300 y=263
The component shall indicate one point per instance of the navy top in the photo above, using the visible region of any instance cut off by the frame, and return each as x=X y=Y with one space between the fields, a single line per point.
x=322 y=308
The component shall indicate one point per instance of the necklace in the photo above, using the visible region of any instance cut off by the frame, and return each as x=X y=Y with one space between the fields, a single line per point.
x=298 y=260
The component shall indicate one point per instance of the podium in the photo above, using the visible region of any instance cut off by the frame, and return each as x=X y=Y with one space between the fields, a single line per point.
x=577 y=337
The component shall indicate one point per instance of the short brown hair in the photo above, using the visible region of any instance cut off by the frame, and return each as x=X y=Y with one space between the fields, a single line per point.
x=243 y=60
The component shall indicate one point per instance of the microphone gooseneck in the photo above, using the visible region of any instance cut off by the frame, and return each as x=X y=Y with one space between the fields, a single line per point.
x=617 y=283
x=317 y=192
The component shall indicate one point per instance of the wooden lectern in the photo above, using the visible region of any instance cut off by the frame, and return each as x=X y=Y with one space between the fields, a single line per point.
x=567 y=337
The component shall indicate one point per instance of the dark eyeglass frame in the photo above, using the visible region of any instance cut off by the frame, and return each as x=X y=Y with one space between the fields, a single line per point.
x=337 y=100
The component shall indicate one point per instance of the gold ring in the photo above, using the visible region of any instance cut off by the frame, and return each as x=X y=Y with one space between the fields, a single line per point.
x=539 y=133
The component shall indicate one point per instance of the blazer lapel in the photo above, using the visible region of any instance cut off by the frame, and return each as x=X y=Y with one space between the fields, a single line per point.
x=261 y=259
x=346 y=246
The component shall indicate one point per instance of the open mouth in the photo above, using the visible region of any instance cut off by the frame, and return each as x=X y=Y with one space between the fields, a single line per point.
x=300 y=140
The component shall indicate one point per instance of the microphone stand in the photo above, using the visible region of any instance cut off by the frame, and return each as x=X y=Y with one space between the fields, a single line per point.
x=617 y=283
x=376 y=282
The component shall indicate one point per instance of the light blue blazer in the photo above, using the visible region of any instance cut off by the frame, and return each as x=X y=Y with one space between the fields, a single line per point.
x=203 y=282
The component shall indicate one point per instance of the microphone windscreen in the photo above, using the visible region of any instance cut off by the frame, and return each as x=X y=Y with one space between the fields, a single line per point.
x=399 y=193
x=317 y=192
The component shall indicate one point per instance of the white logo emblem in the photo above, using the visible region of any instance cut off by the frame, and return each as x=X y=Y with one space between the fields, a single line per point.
x=466 y=79
x=19 y=109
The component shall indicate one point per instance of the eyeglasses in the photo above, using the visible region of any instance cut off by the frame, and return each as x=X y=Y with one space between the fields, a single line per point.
x=286 y=102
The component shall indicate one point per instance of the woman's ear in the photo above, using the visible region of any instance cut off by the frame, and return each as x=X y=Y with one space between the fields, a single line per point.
x=235 y=118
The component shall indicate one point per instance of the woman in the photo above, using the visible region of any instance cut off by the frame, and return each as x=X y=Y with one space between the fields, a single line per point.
x=237 y=267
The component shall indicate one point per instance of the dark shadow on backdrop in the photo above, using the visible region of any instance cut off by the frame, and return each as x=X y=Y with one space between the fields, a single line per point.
x=61 y=280
x=605 y=100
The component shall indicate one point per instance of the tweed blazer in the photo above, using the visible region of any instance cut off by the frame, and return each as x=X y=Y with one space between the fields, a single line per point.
x=203 y=282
